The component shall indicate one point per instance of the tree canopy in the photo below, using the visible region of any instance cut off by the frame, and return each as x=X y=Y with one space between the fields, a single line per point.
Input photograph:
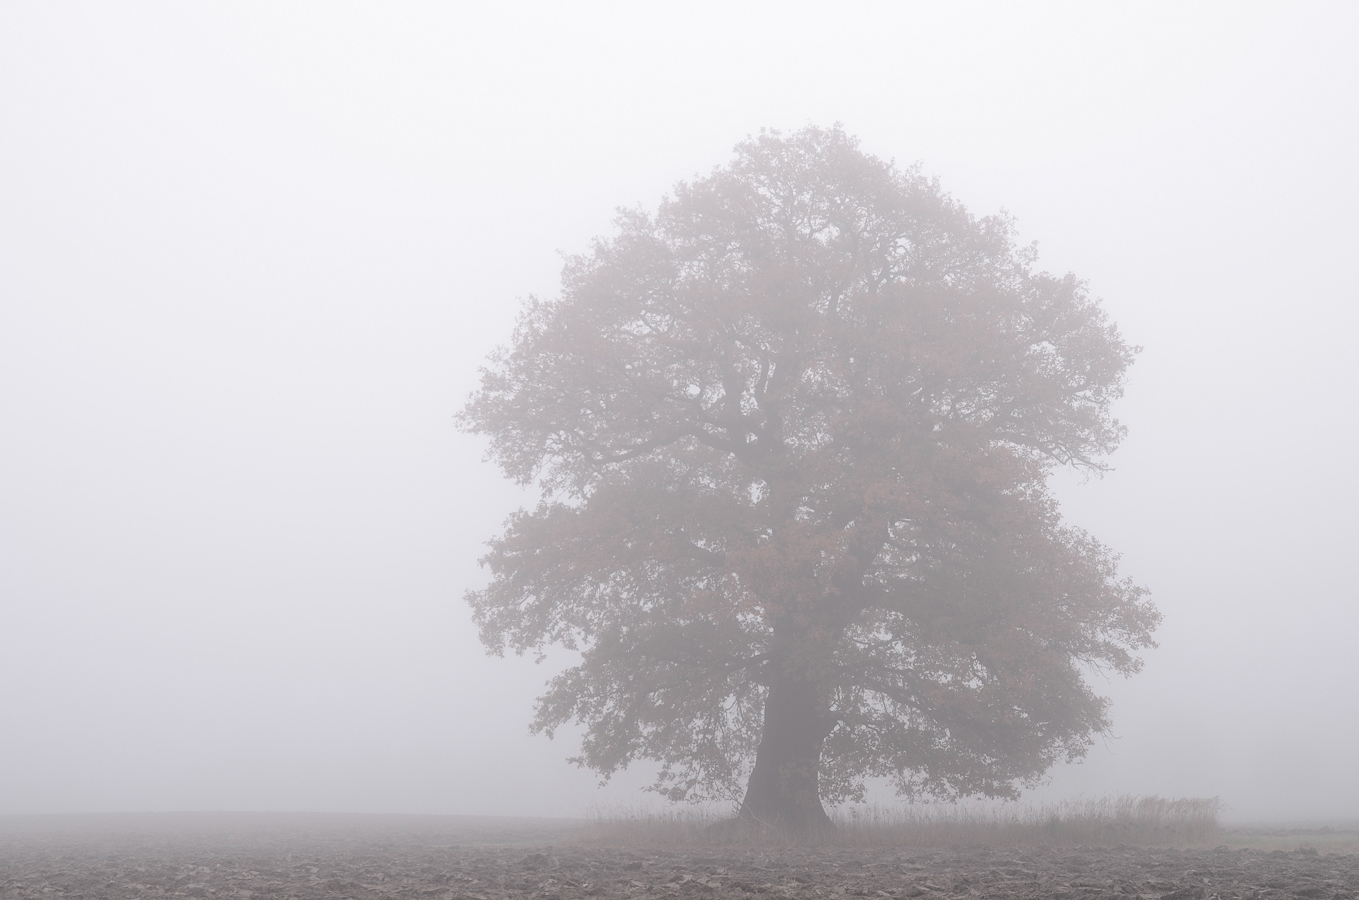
x=793 y=433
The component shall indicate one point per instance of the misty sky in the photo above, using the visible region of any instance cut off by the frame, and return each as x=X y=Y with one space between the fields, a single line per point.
x=251 y=258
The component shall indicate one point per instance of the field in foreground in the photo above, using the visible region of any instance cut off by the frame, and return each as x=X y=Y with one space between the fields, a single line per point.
x=256 y=856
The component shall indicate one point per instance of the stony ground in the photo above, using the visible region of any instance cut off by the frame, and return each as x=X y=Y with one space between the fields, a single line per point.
x=252 y=858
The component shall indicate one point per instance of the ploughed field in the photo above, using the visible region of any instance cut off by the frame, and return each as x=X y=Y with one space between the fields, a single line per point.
x=252 y=857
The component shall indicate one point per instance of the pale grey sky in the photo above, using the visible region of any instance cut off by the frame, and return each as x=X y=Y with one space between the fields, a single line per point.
x=251 y=256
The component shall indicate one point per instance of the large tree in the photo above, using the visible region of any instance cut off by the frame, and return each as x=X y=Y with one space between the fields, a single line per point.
x=793 y=433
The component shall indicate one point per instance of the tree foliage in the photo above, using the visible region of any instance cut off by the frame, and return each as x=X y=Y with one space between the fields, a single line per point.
x=795 y=428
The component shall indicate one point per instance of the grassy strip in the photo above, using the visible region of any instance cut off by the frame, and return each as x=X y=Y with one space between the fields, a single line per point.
x=1323 y=839
x=1102 y=822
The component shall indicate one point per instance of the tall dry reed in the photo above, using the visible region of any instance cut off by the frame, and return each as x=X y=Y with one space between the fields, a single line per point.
x=1099 y=822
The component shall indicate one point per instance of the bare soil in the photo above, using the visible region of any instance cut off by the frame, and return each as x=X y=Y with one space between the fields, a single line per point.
x=253 y=857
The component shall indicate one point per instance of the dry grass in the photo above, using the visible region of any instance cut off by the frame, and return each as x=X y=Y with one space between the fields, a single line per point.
x=1339 y=838
x=1103 y=822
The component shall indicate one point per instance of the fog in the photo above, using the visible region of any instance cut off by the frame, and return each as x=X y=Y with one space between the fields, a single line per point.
x=251 y=258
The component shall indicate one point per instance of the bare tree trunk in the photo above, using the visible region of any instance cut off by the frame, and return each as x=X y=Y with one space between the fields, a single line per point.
x=783 y=790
